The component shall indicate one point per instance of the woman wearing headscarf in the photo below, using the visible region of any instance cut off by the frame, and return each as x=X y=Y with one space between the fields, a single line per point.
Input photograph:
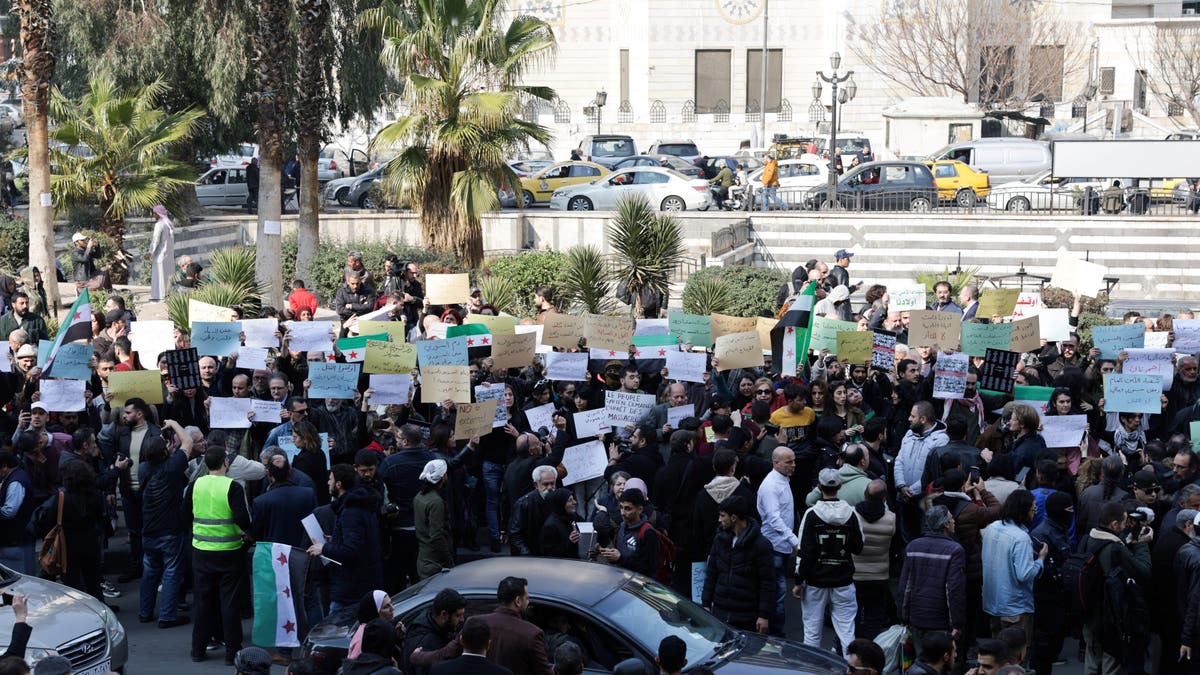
x=374 y=605
x=162 y=254
x=378 y=655
x=434 y=536
x=560 y=534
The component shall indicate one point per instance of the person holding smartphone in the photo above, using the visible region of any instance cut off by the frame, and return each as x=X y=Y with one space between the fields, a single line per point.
x=1121 y=545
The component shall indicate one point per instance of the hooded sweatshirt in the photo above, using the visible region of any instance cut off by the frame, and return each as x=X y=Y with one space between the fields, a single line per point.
x=830 y=534
x=914 y=450
x=705 y=512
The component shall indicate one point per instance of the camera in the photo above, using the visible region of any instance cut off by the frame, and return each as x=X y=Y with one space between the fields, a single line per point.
x=771 y=428
x=543 y=434
x=624 y=445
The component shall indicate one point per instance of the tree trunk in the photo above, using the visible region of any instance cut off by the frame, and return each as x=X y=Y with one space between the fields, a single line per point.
x=308 y=224
x=272 y=51
x=37 y=35
x=444 y=230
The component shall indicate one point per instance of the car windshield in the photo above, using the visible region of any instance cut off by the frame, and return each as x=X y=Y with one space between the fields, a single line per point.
x=678 y=149
x=648 y=612
x=612 y=148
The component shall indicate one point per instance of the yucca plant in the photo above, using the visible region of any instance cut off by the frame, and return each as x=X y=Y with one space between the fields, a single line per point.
x=500 y=293
x=648 y=246
x=224 y=295
x=586 y=281
x=956 y=279
x=707 y=296
x=51 y=326
x=234 y=267
x=177 y=308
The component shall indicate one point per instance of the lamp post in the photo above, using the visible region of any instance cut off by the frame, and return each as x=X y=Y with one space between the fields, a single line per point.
x=1089 y=92
x=599 y=101
x=838 y=97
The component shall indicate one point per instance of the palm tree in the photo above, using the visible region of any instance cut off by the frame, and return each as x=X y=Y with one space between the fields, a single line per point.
x=459 y=68
x=128 y=166
x=586 y=281
x=272 y=55
x=39 y=59
x=648 y=246
x=312 y=110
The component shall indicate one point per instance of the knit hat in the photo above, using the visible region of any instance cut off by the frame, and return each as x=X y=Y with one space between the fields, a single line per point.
x=1059 y=507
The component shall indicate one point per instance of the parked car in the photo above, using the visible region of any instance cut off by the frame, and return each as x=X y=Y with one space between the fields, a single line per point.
x=612 y=613
x=13 y=113
x=678 y=164
x=663 y=188
x=327 y=165
x=360 y=190
x=805 y=172
x=66 y=622
x=1004 y=159
x=606 y=150
x=222 y=187
x=850 y=143
x=685 y=150
x=1042 y=192
x=537 y=188
x=881 y=186
x=338 y=190
x=712 y=166
x=1184 y=135
x=960 y=183
x=238 y=156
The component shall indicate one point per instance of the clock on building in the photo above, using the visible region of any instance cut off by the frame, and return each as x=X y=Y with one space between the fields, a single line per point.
x=740 y=11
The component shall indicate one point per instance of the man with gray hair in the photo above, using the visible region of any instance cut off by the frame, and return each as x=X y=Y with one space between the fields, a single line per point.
x=297 y=476
x=933 y=581
x=1165 y=597
x=530 y=512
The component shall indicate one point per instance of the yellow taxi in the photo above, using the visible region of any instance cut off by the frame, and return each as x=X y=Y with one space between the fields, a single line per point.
x=960 y=183
x=1162 y=190
x=537 y=188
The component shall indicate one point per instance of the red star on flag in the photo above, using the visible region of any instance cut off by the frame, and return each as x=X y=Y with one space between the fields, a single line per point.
x=354 y=355
x=789 y=354
x=77 y=315
x=791 y=330
x=484 y=340
x=638 y=353
x=331 y=357
x=662 y=352
x=470 y=342
x=282 y=559
x=287 y=591
x=612 y=352
x=289 y=627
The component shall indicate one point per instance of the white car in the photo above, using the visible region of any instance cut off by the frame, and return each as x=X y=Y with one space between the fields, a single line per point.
x=240 y=156
x=222 y=187
x=1042 y=192
x=338 y=190
x=805 y=172
x=665 y=189
x=13 y=113
x=327 y=166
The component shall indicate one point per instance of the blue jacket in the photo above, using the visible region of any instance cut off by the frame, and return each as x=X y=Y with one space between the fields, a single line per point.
x=933 y=584
x=401 y=474
x=355 y=544
x=1009 y=569
x=277 y=514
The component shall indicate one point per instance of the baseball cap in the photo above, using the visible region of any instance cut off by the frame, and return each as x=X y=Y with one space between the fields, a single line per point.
x=54 y=665
x=78 y=236
x=1145 y=479
x=38 y=405
x=253 y=661
x=842 y=253
x=829 y=478
x=475 y=289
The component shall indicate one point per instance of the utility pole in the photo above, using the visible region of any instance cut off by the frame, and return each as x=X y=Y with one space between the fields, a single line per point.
x=762 y=97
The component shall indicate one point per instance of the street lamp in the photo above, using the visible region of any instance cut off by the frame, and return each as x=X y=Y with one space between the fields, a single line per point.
x=841 y=97
x=598 y=103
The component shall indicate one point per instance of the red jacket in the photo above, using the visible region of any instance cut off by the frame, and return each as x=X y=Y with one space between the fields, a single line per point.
x=301 y=299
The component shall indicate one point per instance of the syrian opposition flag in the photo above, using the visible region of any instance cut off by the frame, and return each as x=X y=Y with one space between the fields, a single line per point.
x=791 y=335
x=77 y=327
x=354 y=349
x=479 y=339
x=278 y=577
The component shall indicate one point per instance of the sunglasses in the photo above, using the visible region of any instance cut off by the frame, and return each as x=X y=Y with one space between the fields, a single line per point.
x=763 y=391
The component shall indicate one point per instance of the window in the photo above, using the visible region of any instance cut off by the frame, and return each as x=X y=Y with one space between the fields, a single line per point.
x=624 y=75
x=793 y=170
x=945 y=171
x=679 y=149
x=959 y=133
x=1139 y=89
x=754 y=80
x=1046 y=71
x=237 y=176
x=1108 y=79
x=584 y=171
x=712 y=79
x=650 y=178
x=897 y=174
x=997 y=68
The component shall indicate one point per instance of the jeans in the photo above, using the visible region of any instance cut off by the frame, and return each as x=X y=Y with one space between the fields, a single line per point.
x=778 y=618
x=133 y=524
x=872 y=607
x=20 y=558
x=493 y=478
x=161 y=559
x=845 y=607
x=220 y=578
x=770 y=194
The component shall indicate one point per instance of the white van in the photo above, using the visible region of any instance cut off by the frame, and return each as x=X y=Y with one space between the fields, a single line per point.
x=1004 y=159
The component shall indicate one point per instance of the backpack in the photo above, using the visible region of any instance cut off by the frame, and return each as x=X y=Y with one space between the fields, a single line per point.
x=666 y=553
x=1083 y=581
x=1124 y=631
x=53 y=558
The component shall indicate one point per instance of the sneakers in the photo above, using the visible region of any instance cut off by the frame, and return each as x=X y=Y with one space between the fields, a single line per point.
x=181 y=620
x=110 y=589
x=214 y=644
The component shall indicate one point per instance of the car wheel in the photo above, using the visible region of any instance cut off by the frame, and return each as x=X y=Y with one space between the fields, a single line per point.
x=1017 y=204
x=919 y=205
x=965 y=198
x=365 y=201
x=579 y=204
x=827 y=205
x=673 y=203
x=527 y=199
x=342 y=196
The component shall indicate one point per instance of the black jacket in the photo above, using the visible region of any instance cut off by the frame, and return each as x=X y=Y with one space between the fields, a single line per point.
x=355 y=544
x=705 y=512
x=425 y=634
x=1187 y=572
x=829 y=534
x=739 y=586
x=360 y=301
x=162 y=488
x=83 y=265
x=401 y=473
x=642 y=463
x=638 y=547
x=469 y=664
x=313 y=463
x=277 y=514
x=525 y=524
x=369 y=664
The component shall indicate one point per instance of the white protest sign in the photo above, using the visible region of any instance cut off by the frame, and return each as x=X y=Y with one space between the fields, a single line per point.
x=380 y=314
x=150 y=338
x=1156 y=339
x=229 y=413
x=584 y=462
x=1029 y=303
x=1187 y=335
x=680 y=413
x=62 y=395
x=651 y=327
x=1150 y=362
x=950 y=376
x=1078 y=276
x=686 y=366
x=1063 y=431
x=566 y=366
x=906 y=298
x=1054 y=323
x=591 y=423
x=536 y=330
x=252 y=358
x=624 y=408
x=261 y=332
x=310 y=336
x=389 y=389
x=541 y=416
x=266 y=411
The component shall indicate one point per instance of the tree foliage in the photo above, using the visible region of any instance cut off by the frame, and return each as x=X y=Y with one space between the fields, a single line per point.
x=647 y=245
x=751 y=289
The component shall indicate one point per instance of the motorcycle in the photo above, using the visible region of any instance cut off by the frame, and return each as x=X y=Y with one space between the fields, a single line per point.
x=733 y=199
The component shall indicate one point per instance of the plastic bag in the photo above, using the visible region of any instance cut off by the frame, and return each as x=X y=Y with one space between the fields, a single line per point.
x=892 y=641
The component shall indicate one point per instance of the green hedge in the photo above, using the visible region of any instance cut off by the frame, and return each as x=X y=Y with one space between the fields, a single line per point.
x=753 y=288
x=14 y=243
x=526 y=271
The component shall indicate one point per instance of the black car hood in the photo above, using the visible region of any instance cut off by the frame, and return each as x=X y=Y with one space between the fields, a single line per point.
x=761 y=655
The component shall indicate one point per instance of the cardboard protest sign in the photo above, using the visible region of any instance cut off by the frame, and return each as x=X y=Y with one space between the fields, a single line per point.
x=563 y=330
x=204 y=312
x=447 y=289
x=446 y=383
x=950 y=376
x=725 y=325
x=927 y=328
x=739 y=350
x=183 y=368
x=143 y=384
x=1078 y=276
x=608 y=332
x=391 y=358
x=855 y=346
x=1026 y=334
x=513 y=351
x=493 y=392
x=496 y=325
x=473 y=419
x=763 y=327
x=997 y=302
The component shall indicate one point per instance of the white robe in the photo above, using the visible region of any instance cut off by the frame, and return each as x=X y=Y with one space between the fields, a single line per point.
x=162 y=259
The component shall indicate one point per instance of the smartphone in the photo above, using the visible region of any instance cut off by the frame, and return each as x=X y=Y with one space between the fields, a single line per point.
x=7 y=599
x=1021 y=475
x=974 y=474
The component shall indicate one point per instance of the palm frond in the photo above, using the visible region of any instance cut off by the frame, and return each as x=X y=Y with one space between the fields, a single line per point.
x=648 y=246
x=586 y=278
x=499 y=292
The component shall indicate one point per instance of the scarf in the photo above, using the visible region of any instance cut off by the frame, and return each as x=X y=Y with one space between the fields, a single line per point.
x=975 y=404
x=1129 y=442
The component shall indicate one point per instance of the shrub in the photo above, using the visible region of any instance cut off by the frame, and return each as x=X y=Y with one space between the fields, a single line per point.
x=586 y=281
x=1058 y=297
x=753 y=289
x=500 y=293
x=526 y=271
x=708 y=295
x=14 y=242
x=1086 y=321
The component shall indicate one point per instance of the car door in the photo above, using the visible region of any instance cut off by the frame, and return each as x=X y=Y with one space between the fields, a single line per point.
x=550 y=180
x=654 y=186
x=613 y=188
x=856 y=190
x=236 y=192
x=210 y=189
x=602 y=647
x=946 y=177
x=582 y=173
x=895 y=190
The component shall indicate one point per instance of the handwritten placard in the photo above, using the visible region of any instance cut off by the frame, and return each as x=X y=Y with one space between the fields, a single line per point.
x=1078 y=276
x=1029 y=303
x=183 y=368
x=150 y=338
x=390 y=389
x=1187 y=335
x=997 y=302
x=1026 y=334
x=216 y=339
x=390 y=358
x=62 y=395
x=252 y=358
x=626 y=408
x=333 y=380
x=1150 y=362
x=566 y=366
x=763 y=327
x=1063 y=431
x=1132 y=393
x=143 y=384
x=536 y=331
x=447 y=289
x=950 y=376
x=513 y=351
x=854 y=346
x=592 y=423
x=383 y=314
x=266 y=411
x=204 y=312
x=927 y=328
x=692 y=328
x=473 y=419
x=562 y=330
x=397 y=331
x=651 y=327
x=608 y=332
x=448 y=352
x=446 y=383
x=676 y=415
x=541 y=417
x=310 y=336
x=496 y=325
x=232 y=413
x=1156 y=339
x=1112 y=340
x=71 y=361
x=723 y=324
x=686 y=366
x=1054 y=323
x=977 y=338
x=261 y=332
x=906 y=298
x=883 y=349
x=584 y=462
x=824 y=333
x=740 y=350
